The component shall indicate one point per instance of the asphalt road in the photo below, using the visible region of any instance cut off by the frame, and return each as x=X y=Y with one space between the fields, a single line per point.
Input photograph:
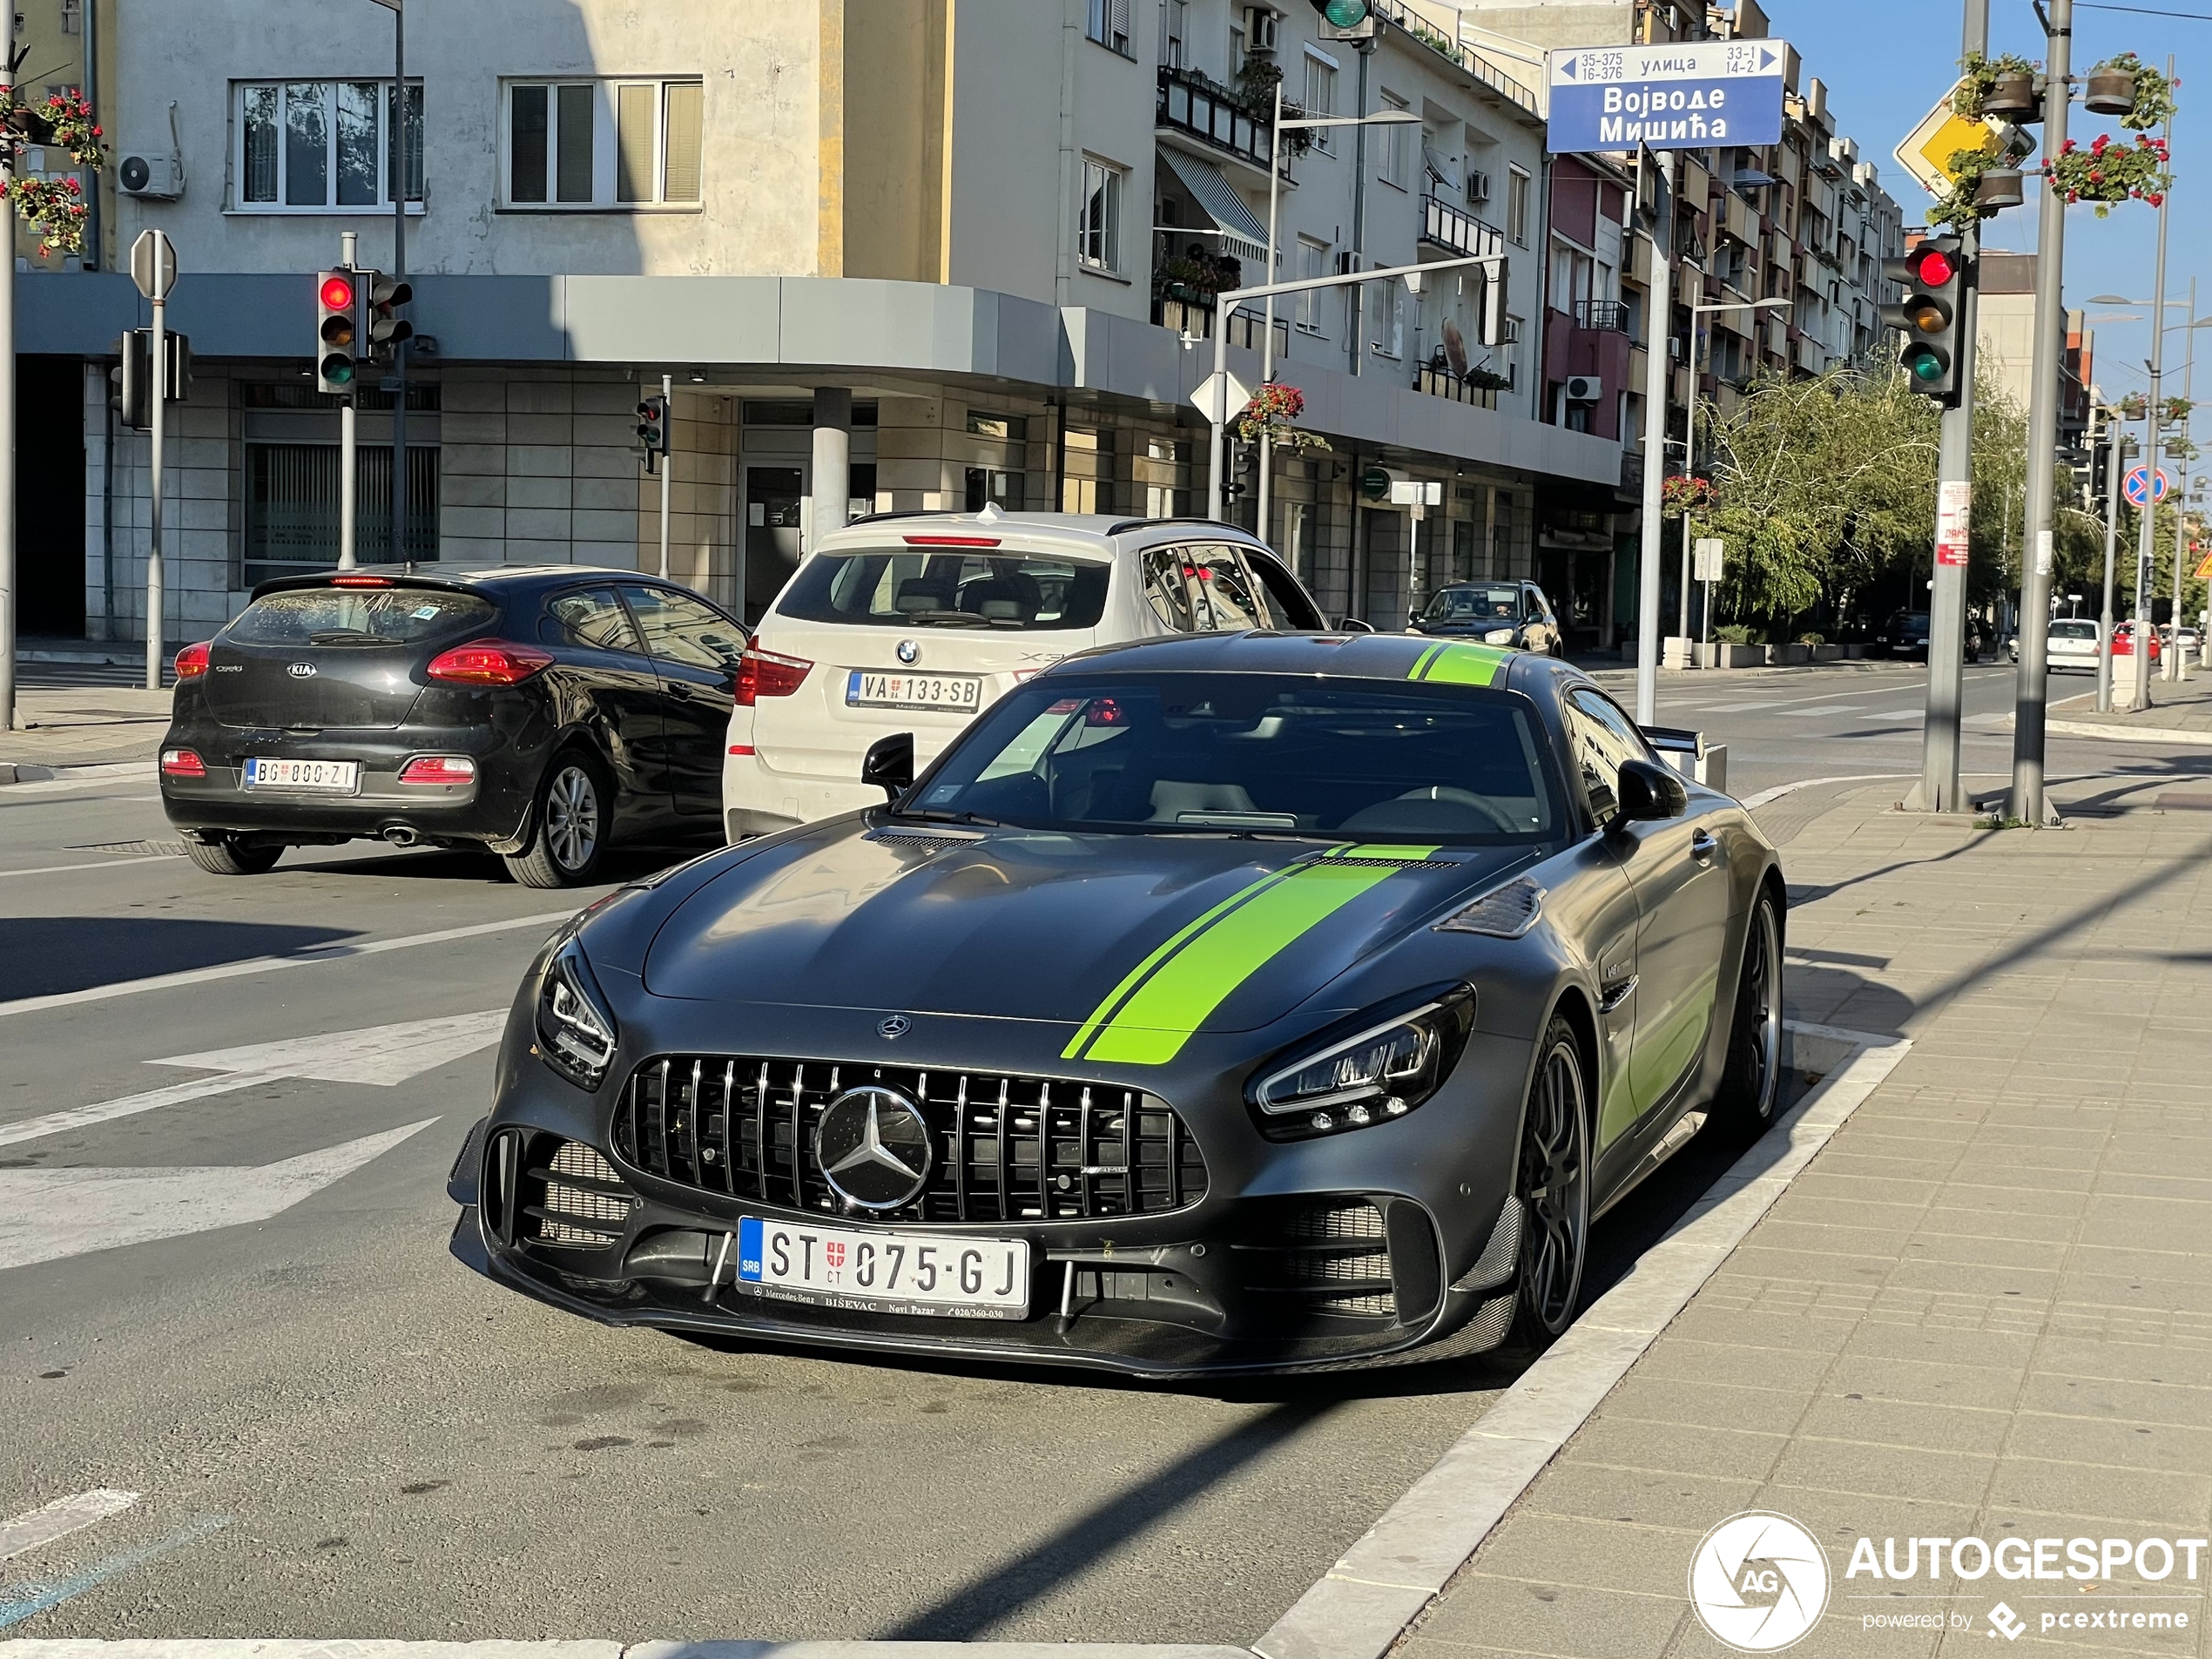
x=334 y=1430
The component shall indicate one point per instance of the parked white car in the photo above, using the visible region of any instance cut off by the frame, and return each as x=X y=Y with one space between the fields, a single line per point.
x=2072 y=642
x=917 y=622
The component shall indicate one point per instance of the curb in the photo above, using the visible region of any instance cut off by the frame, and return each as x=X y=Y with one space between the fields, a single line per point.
x=2125 y=733
x=26 y=777
x=88 y=1649
x=1387 y=1581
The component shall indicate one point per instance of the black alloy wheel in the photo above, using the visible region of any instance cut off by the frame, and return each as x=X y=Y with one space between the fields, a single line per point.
x=569 y=836
x=1751 y=1086
x=1554 y=1186
x=230 y=856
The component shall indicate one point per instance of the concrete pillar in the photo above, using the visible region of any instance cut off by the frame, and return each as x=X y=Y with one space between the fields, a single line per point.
x=833 y=487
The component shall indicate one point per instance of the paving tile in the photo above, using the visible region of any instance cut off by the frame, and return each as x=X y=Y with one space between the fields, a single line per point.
x=1504 y=1615
x=2088 y=1491
x=1906 y=1424
x=1573 y=1487
x=1917 y=1473
x=1729 y=1454
x=1651 y=1397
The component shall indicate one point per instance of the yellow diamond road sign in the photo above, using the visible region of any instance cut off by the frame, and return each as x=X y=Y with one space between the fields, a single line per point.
x=1942 y=134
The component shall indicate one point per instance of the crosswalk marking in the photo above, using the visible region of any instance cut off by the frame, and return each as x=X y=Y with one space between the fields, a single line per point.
x=60 y=1518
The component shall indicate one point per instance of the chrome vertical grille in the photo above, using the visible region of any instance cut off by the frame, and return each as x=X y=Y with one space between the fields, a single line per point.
x=1004 y=1147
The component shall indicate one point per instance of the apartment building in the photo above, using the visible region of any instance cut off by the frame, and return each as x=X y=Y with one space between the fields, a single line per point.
x=893 y=253
x=2005 y=329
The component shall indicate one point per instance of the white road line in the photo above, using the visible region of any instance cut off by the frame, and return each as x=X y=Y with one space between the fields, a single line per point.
x=105 y=864
x=1754 y=802
x=254 y=965
x=60 y=1518
x=1809 y=714
x=31 y=1129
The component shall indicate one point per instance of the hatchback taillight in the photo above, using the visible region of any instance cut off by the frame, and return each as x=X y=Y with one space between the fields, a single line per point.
x=763 y=673
x=182 y=763
x=191 y=661
x=488 y=661
x=438 y=769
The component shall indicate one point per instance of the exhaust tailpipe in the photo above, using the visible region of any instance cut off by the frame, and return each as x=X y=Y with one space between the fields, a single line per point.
x=399 y=835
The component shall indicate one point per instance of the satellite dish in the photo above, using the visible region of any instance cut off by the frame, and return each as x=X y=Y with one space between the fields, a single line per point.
x=1455 y=349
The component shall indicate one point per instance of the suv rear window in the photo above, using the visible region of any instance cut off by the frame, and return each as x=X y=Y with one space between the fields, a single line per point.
x=2066 y=627
x=358 y=616
x=1023 y=592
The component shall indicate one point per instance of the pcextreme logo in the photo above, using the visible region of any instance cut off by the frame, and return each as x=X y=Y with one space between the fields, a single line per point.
x=1759 y=1582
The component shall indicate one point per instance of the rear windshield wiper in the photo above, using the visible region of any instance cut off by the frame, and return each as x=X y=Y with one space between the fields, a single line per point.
x=948 y=619
x=340 y=637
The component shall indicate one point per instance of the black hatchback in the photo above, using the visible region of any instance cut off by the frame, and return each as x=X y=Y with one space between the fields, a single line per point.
x=539 y=713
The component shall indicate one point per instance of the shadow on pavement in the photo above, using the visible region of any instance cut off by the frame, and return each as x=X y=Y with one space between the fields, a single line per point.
x=462 y=864
x=45 y=956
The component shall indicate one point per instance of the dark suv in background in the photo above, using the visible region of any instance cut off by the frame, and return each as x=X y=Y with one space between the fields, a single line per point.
x=540 y=713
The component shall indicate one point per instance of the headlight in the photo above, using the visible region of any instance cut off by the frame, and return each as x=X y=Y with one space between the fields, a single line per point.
x=576 y=1029
x=1380 y=1071
x=1498 y=636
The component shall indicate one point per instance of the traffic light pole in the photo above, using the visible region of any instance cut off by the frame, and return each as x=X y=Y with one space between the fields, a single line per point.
x=1658 y=331
x=348 y=438
x=2116 y=444
x=2026 y=804
x=158 y=356
x=667 y=461
x=8 y=468
x=2145 y=550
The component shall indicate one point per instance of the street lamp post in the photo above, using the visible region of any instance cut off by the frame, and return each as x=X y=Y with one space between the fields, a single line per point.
x=1217 y=415
x=1381 y=118
x=2176 y=668
x=2114 y=463
x=1689 y=445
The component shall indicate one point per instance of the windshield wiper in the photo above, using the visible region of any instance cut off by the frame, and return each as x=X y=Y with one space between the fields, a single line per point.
x=340 y=636
x=939 y=815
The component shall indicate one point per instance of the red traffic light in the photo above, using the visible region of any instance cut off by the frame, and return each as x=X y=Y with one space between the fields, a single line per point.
x=337 y=294
x=1933 y=268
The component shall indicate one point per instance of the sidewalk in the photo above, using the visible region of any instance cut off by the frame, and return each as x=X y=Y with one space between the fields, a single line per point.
x=81 y=726
x=2180 y=711
x=1984 y=1311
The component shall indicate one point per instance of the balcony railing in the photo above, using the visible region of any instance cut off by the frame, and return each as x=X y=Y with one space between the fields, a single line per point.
x=1443 y=383
x=1444 y=46
x=1457 y=229
x=1247 y=328
x=1601 y=314
x=1189 y=103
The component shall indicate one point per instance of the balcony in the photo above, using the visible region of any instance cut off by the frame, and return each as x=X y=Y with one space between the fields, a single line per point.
x=1443 y=383
x=1457 y=231
x=1610 y=314
x=1191 y=105
x=1247 y=328
x=1445 y=47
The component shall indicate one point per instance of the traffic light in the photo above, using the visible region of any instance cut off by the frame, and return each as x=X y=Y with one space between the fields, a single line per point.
x=133 y=378
x=652 y=428
x=1932 y=275
x=381 y=325
x=1346 y=19
x=336 y=328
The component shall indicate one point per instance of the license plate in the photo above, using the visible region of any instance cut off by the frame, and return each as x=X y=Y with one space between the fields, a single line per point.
x=310 y=776
x=962 y=693
x=885 y=1272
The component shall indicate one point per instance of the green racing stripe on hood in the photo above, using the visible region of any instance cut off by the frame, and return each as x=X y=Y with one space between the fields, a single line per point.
x=1458 y=664
x=1170 y=994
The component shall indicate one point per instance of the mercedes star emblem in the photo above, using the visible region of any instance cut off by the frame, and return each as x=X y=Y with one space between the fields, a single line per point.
x=909 y=651
x=897 y=1026
x=872 y=1144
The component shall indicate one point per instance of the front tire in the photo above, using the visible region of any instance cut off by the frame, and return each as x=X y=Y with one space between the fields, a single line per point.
x=1553 y=1183
x=569 y=836
x=231 y=856
x=1751 y=1086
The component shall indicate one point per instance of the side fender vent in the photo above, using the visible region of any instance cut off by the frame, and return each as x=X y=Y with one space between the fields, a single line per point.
x=1502 y=913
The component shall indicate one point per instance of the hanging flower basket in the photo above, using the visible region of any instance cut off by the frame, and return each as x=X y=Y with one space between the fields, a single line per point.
x=1683 y=492
x=2109 y=171
x=55 y=208
x=2004 y=85
x=1272 y=415
x=2174 y=411
x=2129 y=88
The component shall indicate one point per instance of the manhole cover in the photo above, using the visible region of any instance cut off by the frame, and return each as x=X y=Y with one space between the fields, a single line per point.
x=145 y=849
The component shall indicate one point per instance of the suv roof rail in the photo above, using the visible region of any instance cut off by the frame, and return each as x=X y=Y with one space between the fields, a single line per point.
x=1180 y=518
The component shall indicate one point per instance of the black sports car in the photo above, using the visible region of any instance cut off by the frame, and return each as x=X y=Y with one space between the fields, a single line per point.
x=1254 y=1001
x=541 y=713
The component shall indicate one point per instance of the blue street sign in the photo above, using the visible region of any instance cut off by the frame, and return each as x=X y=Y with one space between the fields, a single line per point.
x=1683 y=96
x=2139 y=485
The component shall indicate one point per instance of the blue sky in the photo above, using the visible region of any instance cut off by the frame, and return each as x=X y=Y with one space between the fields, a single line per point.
x=1885 y=62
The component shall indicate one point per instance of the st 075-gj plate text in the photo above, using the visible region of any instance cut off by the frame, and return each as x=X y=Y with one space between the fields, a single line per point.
x=885 y=1272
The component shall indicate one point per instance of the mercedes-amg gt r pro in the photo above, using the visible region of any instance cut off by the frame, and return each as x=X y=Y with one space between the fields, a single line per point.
x=1264 y=1002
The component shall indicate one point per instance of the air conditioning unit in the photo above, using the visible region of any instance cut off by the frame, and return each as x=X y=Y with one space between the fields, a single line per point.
x=1674 y=348
x=1584 y=389
x=1478 y=187
x=1261 y=27
x=157 y=177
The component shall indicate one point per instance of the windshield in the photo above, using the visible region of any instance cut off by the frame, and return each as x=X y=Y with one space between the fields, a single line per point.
x=1474 y=604
x=2070 y=630
x=910 y=588
x=358 y=616
x=1169 y=753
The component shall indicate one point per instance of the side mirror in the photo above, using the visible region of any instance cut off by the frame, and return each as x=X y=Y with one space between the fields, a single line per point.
x=890 y=765
x=1353 y=625
x=1649 y=791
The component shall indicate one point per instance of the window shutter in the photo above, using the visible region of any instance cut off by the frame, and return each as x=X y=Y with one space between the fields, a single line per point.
x=686 y=107
x=1118 y=30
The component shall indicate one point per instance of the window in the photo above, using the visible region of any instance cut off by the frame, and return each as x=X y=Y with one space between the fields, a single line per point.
x=1390 y=321
x=1107 y=24
x=1604 y=739
x=322 y=146
x=1517 y=206
x=680 y=628
x=1098 y=221
x=292 y=508
x=1164 y=587
x=1313 y=261
x=1397 y=146
x=1320 y=94
x=1178 y=26
x=913 y=588
x=592 y=617
x=604 y=144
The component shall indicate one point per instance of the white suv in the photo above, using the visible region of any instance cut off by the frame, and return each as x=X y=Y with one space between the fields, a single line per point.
x=917 y=622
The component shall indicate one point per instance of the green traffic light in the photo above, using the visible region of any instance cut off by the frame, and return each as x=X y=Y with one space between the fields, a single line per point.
x=1345 y=14
x=338 y=370
x=1925 y=365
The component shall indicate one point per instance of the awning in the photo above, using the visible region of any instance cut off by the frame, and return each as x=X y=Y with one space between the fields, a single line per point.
x=1241 y=234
